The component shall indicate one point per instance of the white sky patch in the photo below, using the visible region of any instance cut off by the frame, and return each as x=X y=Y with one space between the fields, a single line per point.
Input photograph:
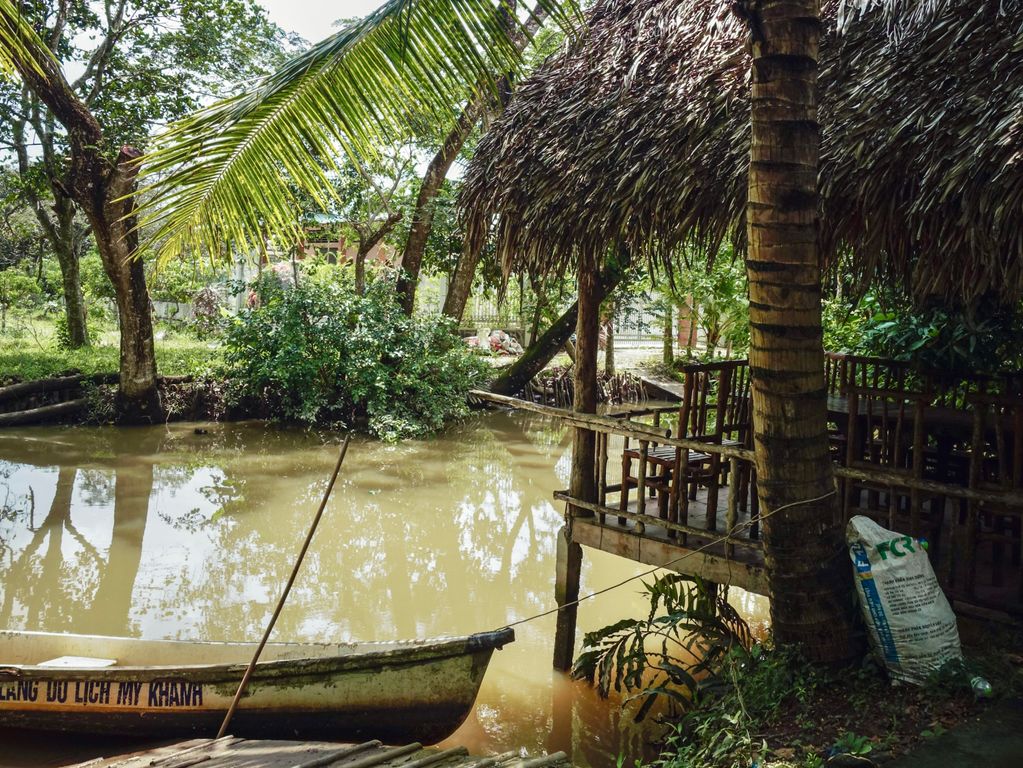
x=314 y=19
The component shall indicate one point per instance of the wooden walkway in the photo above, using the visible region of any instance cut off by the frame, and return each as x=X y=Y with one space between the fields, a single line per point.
x=231 y=752
x=658 y=388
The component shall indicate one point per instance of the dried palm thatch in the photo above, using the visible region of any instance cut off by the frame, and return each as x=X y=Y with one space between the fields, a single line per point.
x=640 y=134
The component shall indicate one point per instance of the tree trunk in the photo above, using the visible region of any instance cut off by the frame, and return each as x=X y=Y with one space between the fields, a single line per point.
x=583 y=483
x=58 y=230
x=461 y=285
x=367 y=242
x=811 y=581
x=422 y=216
x=515 y=377
x=74 y=299
x=138 y=400
x=360 y=273
x=668 y=338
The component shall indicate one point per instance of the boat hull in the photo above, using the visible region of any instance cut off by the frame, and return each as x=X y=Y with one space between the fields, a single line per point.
x=421 y=692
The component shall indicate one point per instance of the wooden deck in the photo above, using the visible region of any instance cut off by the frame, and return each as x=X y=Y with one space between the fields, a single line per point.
x=231 y=752
x=654 y=544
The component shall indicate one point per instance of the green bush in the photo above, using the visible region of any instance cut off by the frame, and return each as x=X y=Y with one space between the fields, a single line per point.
x=320 y=353
x=679 y=649
x=933 y=336
x=942 y=337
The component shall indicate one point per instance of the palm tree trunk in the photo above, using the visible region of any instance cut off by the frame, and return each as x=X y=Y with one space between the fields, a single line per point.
x=810 y=576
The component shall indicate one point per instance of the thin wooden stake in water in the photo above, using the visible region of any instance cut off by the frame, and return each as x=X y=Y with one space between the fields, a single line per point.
x=287 y=589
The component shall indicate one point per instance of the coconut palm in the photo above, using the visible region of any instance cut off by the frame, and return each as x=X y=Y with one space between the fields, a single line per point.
x=217 y=177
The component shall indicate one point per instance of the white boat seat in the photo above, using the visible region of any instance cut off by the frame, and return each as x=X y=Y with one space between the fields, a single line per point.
x=79 y=662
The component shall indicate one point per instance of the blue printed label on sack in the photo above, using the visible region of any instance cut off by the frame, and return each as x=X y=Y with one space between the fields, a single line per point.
x=873 y=602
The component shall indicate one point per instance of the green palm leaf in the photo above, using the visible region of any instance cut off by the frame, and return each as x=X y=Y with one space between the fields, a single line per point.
x=20 y=46
x=220 y=178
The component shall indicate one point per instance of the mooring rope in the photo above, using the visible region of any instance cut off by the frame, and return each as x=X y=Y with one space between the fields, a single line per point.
x=737 y=528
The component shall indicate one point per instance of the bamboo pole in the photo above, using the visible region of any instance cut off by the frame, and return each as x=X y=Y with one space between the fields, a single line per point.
x=732 y=515
x=644 y=451
x=287 y=590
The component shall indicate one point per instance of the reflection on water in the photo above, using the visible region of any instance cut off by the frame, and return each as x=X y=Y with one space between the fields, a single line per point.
x=166 y=532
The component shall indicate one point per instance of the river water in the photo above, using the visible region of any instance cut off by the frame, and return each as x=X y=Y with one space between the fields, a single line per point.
x=189 y=531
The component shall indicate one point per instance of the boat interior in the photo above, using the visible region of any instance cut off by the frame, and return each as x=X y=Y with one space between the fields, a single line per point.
x=55 y=650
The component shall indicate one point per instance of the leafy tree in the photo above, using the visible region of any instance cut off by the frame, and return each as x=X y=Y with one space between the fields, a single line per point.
x=16 y=288
x=372 y=198
x=18 y=237
x=321 y=352
x=718 y=294
x=139 y=63
x=364 y=87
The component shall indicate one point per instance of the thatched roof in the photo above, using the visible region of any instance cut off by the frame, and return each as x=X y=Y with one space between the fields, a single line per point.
x=640 y=134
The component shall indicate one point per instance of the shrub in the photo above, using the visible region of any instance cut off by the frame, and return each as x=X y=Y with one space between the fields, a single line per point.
x=673 y=654
x=320 y=353
x=942 y=337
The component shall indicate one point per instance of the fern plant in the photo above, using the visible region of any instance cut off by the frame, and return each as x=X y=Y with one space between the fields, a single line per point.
x=678 y=650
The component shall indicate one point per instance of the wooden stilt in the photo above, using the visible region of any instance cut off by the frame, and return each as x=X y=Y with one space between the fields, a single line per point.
x=568 y=569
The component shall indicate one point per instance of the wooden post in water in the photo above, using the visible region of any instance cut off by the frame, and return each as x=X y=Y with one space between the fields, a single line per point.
x=583 y=483
x=568 y=568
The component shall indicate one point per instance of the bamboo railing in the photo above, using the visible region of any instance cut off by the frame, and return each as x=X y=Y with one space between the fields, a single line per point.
x=956 y=560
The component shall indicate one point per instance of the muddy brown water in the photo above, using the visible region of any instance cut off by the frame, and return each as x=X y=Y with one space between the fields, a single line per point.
x=189 y=531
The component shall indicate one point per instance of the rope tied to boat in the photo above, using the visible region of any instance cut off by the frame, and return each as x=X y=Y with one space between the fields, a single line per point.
x=735 y=529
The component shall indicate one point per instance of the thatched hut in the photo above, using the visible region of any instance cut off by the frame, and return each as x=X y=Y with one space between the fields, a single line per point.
x=640 y=137
x=640 y=134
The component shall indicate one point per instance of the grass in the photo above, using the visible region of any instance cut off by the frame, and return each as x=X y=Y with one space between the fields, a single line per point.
x=28 y=350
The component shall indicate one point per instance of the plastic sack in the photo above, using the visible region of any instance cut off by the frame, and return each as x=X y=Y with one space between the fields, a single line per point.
x=912 y=627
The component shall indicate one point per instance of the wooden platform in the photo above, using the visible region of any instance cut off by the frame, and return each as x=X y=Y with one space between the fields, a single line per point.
x=652 y=544
x=658 y=387
x=231 y=752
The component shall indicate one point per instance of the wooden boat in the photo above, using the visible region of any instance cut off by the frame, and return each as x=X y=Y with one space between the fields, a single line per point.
x=419 y=690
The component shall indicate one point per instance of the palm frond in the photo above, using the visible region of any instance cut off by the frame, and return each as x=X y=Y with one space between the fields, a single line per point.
x=20 y=46
x=221 y=176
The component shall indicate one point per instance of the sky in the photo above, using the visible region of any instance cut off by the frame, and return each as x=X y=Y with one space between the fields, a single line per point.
x=314 y=19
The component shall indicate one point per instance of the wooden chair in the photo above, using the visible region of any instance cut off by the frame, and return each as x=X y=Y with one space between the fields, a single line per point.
x=715 y=409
